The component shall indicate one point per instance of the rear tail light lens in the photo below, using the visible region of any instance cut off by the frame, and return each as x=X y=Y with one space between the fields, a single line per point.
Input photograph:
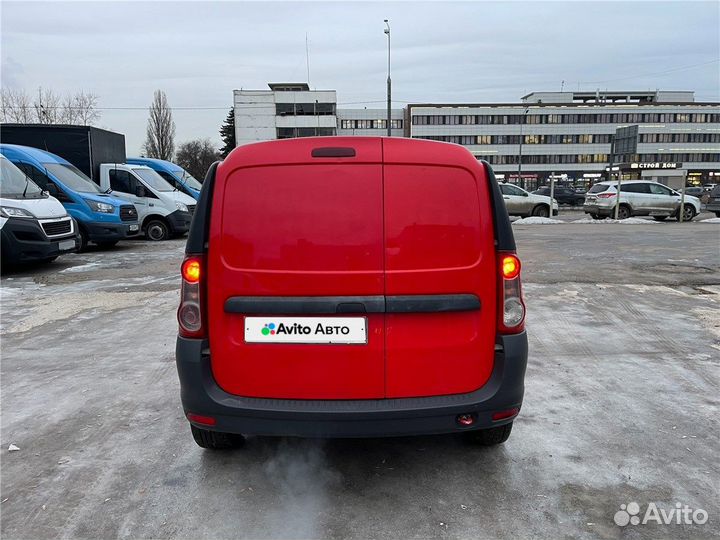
x=200 y=419
x=606 y=195
x=190 y=313
x=502 y=415
x=511 y=312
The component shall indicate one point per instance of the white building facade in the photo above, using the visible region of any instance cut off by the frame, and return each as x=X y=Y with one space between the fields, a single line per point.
x=370 y=122
x=566 y=133
x=570 y=133
x=285 y=111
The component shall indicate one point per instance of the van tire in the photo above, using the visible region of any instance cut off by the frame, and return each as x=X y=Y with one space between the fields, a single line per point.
x=596 y=216
x=216 y=440
x=156 y=230
x=489 y=437
x=108 y=244
x=541 y=210
x=83 y=241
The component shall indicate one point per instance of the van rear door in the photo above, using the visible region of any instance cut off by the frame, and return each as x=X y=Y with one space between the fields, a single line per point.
x=308 y=224
x=440 y=280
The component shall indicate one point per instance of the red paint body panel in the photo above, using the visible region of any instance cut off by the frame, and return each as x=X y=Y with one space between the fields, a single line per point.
x=401 y=217
x=287 y=224
x=439 y=240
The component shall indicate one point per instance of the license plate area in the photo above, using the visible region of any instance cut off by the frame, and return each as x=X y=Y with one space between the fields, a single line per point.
x=66 y=244
x=310 y=330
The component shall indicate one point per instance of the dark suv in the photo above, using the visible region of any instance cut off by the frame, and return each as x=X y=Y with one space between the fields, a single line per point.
x=563 y=195
x=713 y=204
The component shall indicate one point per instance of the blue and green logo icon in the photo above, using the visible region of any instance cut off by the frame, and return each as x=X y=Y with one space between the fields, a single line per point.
x=268 y=329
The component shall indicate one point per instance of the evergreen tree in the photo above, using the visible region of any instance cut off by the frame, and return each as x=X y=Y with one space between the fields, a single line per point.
x=227 y=134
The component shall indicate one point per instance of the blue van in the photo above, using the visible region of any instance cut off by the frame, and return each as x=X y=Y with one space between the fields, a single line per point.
x=102 y=219
x=176 y=176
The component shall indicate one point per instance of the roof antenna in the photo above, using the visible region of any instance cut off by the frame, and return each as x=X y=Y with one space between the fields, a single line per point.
x=307 y=58
x=562 y=85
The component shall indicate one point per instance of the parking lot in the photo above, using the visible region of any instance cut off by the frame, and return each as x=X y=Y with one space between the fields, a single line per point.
x=621 y=406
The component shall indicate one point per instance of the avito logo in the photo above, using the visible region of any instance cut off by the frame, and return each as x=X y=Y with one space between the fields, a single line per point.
x=268 y=329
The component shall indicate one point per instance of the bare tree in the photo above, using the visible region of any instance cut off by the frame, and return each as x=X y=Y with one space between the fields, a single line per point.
x=160 y=141
x=85 y=107
x=15 y=106
x=67 y=113
x=196 y=156
x=47 y=107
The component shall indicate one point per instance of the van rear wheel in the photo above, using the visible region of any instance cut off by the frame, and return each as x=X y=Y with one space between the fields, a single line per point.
x=489 y=437
x=216 y=440
x=157 y=230
x=541 y=210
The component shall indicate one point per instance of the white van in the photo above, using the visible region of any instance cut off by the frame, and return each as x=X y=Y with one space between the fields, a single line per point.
x=34 y=226
x=163 y=211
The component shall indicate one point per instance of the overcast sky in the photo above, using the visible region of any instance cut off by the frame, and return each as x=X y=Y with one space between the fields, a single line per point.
x=442 y=52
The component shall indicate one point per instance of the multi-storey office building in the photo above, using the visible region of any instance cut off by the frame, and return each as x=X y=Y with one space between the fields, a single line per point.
x=286 y=110
x=370 y=122
x=570 y=132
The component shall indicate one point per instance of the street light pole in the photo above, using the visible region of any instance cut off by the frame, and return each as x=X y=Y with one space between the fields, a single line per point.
x=387 y=32
x=521 y=182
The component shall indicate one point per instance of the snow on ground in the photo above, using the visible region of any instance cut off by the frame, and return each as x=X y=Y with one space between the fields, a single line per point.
x=628 y=221
x=711 y=220
x=537 y=221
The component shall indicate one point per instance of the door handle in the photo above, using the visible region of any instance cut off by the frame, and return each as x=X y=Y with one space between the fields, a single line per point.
x=506 y=198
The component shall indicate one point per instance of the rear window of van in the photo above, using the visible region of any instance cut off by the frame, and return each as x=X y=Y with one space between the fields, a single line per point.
x=598 y=188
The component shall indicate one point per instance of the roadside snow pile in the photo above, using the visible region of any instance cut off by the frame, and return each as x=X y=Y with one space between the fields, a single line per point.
x=711 y=220
x=536 y=221
x=628 y=221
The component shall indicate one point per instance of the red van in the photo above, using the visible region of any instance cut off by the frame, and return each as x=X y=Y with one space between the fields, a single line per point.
x=350 y=287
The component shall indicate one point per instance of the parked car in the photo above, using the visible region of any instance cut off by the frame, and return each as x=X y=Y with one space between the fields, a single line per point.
x=713 y=203
x=709 y=187
x=101 y=218
x=173 y=174
x=695 y=191
x=638 y=198
x=33 y=225
x=163 y=211
x=350 y=287
x=521 y=203
x=562 y=194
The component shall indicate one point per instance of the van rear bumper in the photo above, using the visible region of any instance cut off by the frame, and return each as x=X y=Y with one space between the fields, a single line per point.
x=201 y=395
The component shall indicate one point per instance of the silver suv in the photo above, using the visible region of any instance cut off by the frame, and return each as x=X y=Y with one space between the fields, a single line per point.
x=638 y=198
x=521 y=203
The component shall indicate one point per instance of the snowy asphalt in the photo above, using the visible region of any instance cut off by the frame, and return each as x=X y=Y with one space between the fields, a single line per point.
x=621 y=406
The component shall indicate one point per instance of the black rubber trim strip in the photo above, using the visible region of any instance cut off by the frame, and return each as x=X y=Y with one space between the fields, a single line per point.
x=200 y=225
x=504 y=239
x=313 y=305
x=432 y=303
x=331 y=151
x=305 y=305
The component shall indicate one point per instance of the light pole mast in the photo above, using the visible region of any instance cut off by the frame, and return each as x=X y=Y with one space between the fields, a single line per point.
x=387 y=32
x=521 y=182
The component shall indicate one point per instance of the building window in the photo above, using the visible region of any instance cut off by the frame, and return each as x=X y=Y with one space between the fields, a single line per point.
x=304 y=109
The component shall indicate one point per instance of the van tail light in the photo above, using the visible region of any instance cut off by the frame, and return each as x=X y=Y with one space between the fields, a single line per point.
x=511 y=308
x=605 y=195
x=191 y=313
